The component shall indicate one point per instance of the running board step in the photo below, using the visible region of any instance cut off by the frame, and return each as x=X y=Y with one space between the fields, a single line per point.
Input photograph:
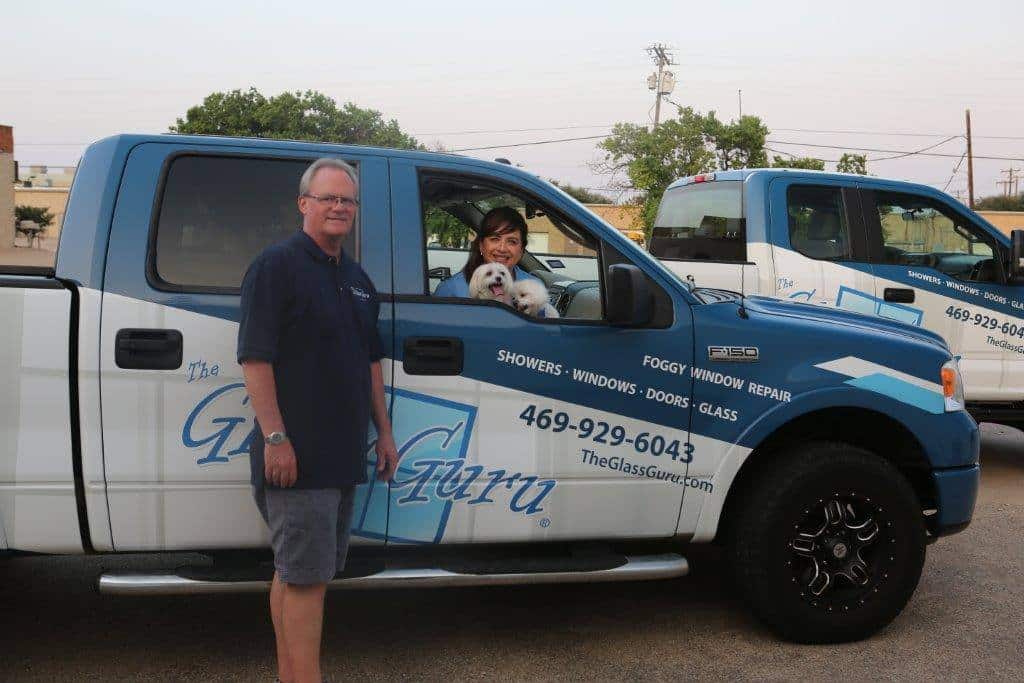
x=636 y=568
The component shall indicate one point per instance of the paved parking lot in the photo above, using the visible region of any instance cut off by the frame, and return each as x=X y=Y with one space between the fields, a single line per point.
x=965 y=621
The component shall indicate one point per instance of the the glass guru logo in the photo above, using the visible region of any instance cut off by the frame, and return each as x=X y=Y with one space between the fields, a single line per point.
x=432 y=436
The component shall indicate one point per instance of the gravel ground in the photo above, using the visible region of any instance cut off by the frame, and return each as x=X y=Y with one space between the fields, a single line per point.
x=964 y=621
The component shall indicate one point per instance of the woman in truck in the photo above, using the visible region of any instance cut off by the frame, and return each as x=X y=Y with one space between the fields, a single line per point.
x=501 y=238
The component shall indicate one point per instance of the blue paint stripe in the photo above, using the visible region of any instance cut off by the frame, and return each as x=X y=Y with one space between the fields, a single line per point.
x=903 y=391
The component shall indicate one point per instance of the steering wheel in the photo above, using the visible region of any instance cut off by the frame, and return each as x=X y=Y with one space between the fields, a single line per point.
x=975 y=273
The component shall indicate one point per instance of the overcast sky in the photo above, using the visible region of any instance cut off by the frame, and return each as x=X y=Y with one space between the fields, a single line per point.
x=76 y=72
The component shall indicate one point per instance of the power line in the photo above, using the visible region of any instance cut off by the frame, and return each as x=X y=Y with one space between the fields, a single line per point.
x=898 y=152
x=919 y=151
x=610 y=126
x=529 y=144
x=956 y=169
x=513 y=130
x=901 y=152
x=895 y=134
x=794 y=156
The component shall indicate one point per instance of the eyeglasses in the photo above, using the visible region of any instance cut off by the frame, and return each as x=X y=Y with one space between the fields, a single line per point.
x=331 y=199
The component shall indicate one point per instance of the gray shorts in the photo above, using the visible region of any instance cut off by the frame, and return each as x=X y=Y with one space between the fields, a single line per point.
x=309 y=531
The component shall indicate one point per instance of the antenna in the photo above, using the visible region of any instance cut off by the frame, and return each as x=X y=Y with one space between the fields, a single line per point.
x=743 y=288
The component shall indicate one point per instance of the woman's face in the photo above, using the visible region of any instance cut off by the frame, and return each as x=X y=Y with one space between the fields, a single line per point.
x=503 y=246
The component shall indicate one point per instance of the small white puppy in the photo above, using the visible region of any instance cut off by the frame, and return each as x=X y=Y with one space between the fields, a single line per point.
x=491 y=281
x=531 y=297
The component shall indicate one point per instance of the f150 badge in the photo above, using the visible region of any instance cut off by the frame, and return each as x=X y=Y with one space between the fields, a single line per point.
x=734 y=354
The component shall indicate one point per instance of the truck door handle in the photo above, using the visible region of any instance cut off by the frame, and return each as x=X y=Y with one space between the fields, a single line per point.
x=899 y=296
x=432 y=356
x=142 y=349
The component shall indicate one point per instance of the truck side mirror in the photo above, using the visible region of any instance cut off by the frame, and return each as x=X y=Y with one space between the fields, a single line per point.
x=1016 y=256
x=629 y=297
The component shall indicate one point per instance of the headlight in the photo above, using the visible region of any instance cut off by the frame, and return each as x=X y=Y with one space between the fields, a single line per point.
x=952 y=386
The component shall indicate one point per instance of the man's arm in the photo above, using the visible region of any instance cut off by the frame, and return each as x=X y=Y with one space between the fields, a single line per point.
x=279 y=465
x=387 y=453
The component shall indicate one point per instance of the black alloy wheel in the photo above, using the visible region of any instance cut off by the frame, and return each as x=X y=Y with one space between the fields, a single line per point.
x=827 y=544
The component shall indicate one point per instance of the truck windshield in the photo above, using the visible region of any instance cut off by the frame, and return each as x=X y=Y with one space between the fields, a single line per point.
x=701 y=221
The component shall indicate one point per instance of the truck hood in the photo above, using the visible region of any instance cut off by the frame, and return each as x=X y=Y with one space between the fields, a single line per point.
x=834 y=316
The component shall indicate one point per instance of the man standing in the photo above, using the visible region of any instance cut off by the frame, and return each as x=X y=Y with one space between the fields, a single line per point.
x=310 y=355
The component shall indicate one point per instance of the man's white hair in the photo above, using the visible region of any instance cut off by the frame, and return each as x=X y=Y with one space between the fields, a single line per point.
x=327 y=162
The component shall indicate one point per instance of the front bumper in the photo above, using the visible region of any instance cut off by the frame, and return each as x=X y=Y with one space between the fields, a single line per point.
x=956 y=491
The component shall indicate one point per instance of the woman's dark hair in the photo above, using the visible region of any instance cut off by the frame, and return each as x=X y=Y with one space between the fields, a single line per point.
x=492 y=220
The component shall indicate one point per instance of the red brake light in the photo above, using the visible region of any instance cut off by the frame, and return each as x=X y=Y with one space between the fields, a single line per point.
x=704 y=178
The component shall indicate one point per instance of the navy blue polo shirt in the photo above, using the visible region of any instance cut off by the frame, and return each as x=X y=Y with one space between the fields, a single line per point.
x=314 y=319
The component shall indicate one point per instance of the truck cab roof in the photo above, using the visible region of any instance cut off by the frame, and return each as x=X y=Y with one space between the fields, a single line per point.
x=314 y=147
x=766 y=175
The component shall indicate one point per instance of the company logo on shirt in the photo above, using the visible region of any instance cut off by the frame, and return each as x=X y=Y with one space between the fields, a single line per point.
x=359 y=293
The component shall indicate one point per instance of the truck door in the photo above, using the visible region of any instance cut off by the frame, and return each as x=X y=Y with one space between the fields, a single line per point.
x=513 y=428
x=945 y=267
x=819 y=245
x=176 y=419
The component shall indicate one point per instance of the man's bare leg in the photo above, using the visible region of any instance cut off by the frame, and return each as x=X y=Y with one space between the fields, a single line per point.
x=303 y=618
x=284 y=665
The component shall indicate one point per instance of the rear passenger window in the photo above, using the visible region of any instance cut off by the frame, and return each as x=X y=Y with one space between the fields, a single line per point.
x=701 y=221
x=817 y=223
x=216 y=214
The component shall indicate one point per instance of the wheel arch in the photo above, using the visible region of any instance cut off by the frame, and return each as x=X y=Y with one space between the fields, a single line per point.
x=864 y=428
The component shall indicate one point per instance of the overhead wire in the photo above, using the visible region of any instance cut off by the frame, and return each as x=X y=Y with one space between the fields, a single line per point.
x=956 y=169
x=919 y=151
x=879 y=133
x=529 y=144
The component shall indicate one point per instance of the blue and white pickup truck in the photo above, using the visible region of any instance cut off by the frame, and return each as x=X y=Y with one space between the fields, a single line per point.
x=893 y=249
x=822 y=448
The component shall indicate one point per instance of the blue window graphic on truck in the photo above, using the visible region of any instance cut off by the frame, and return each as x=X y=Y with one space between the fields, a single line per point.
x=432 y=436
x=860 y=302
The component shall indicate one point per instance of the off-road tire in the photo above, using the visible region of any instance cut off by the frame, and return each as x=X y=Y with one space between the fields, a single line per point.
x=780 y=561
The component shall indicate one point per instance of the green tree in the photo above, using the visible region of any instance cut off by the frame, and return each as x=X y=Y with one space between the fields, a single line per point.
x=853 y=163
x=308 y=115
x=652 y=159
x=1000 y=202
x=445 y=230
x=809 y=163
x=737 y=144
x=38 y=214
x=582 y=194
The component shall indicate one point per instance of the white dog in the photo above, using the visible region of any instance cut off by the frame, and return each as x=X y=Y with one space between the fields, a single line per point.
x=491 y=281
x=531 y=297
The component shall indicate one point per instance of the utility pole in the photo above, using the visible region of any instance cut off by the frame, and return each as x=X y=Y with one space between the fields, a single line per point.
x=970 y=165
x=1012 y=181
x=664 y=81
x=739 y=93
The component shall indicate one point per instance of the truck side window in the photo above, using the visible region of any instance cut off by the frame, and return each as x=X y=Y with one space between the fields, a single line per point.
x=557 y=253
x=217 y=213
x=701 y=221
x=918 y=232
x=817 y=222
